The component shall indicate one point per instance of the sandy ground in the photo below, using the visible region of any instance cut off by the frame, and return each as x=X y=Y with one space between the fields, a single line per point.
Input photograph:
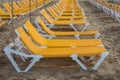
x=65 y=68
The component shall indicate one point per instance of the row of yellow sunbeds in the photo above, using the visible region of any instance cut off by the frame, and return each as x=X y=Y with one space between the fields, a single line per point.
x=23 y=7
x=110 y=9
x=19 y=8
x=72 y=16
x=38 y=38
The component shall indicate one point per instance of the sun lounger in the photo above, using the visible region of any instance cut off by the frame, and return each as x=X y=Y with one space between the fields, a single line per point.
x=64 y=22
x=40 y=24
x=66 y=13
x=38 y=52
x=57 y=16
x=69 y=8
x=59 y=42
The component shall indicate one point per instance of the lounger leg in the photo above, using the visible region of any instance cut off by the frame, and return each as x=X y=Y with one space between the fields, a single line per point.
x=50 y=25
x=37 y=24
x=48 y=36
x=28 y=14
x=9 y=51
x=72 y=26
x=75 y=58
x=18 y=46
x=103 y=56
x=32 y=63
x=104 y=9
x=23 y=58
x=97 y=35
x=20 y=17
x=10 y=21
x=85 y=26
x=118 y=20
x=51 y=36
x=77 y=36
x=117 y=17
x=44 y=20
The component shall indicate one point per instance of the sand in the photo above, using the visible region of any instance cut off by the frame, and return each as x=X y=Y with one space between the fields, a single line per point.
x=65 y=68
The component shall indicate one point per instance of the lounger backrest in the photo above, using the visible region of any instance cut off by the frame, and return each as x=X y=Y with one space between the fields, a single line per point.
x=18 y=2
x=21 y=4
x=69 y=5
x=32 y=2
x=56 y=8
x=7 y=7
x=62 y=4
x=46 y=16
x=15 y=5
x=24 y=3
x=40 y=1
x=43 y=25
x=76 y=5
x=27 y=41
x=27 y=1
x=52 y=12
x=36 y=36
x=1 y=11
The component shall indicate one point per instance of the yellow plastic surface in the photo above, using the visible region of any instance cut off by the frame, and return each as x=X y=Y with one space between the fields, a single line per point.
x=55 y=15
x=59 y=42
x=58 y=52
x=61 y=22
x=70 y=33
